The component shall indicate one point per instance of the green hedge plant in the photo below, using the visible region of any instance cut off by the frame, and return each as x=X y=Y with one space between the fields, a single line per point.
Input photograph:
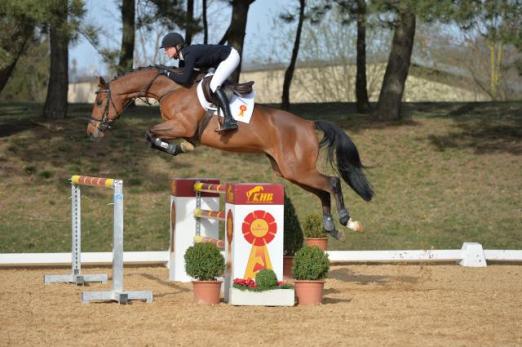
x=266 y=279
x=204 y=262
x=310 y=263
x=293 y=233
x=313 y=226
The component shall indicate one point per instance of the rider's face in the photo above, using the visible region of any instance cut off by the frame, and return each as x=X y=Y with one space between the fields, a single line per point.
x=171 y=52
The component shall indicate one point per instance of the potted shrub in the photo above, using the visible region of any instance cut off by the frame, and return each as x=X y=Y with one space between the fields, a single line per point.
x=314 y=232
x=266 y=290
x=204 y=262
x=293 y=237
x=311 y=266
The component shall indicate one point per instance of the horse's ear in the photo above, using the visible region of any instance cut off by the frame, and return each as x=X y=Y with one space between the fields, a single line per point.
x=101 y=82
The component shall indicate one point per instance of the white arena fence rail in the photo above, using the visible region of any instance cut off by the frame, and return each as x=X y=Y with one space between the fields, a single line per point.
x=464 y=256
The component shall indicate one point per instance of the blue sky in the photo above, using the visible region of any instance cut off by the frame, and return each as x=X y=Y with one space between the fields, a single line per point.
x=106 y=15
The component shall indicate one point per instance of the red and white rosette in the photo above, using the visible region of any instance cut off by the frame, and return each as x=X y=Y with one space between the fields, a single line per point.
x=259 y=229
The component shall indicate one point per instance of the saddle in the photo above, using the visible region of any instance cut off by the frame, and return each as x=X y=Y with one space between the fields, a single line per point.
x=229 y=87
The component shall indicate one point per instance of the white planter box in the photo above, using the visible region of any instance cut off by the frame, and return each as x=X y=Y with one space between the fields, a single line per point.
x=274 y=297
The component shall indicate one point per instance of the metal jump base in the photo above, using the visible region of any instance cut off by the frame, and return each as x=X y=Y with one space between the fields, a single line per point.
x=117 y=293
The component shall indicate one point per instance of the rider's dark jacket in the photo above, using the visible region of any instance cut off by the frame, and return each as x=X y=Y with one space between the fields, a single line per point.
x=199 y=56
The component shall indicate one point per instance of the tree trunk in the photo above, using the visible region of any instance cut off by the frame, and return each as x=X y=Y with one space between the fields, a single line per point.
x=289 y=73
x=224 y=39
x=6 y=72
x=56 y=100
x=189 y=29
x=127 y=39
x=236 y=33
x=389 y=105
x=361 y=92
x=205 y=22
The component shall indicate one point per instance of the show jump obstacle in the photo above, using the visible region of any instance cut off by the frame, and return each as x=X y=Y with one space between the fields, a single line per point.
x=76 y=237
x=253 y=217
x=117 y=293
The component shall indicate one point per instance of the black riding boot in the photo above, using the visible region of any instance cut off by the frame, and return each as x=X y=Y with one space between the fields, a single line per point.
x=229 y=122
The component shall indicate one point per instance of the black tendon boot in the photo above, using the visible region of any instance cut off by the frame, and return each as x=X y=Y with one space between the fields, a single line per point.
x=229 y=123
x=170 y=148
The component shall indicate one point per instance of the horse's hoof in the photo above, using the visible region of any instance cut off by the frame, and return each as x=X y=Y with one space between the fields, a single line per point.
x=186 y=146
x=338 y=235
x=344 y=217
x=329 y=227
x=355 y=226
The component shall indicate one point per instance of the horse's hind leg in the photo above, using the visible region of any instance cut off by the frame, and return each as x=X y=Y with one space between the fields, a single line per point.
x=344 y=215
x=316 y=183
x=328 y=223
x=328 y=185
x=325 y=186
x=323 y=196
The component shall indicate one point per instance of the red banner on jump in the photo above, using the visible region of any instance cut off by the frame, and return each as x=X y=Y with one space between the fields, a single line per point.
x=255 y=194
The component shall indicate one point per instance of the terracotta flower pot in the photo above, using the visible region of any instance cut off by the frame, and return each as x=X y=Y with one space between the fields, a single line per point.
x=309 y=292
x=288 y=261
x=207 y=292
x=321 y=242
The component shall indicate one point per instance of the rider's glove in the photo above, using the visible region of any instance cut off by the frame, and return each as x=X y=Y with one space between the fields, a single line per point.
x=166 y=73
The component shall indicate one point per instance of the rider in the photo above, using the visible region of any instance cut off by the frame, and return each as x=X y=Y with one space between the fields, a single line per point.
x=224 y=58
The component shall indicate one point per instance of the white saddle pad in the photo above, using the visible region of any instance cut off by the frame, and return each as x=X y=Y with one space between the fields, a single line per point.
x=241 y=107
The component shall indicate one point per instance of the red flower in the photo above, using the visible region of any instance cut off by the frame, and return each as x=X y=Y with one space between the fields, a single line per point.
x=245 y=282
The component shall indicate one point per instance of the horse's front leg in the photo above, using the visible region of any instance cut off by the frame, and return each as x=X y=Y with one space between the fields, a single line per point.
x=159 y=135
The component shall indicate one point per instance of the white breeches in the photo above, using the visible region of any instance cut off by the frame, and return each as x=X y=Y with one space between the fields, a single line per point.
x=225 y=69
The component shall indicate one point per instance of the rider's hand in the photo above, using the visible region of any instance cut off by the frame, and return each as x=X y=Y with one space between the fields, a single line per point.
x=166 y=73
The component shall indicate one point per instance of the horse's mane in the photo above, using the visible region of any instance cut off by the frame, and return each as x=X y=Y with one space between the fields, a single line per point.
x=195 y=78
x=157 y=67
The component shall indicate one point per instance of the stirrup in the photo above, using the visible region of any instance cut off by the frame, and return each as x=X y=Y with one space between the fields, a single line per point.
x=228 y=124
x=225 y=128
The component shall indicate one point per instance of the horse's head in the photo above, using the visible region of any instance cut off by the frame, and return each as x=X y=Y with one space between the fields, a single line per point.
x=106 y=109
x=112 y=98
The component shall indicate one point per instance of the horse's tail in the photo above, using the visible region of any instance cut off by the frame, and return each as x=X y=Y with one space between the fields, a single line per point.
x=348 y=161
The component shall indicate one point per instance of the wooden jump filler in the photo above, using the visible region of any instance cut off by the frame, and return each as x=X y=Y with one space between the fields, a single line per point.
x=253 y=217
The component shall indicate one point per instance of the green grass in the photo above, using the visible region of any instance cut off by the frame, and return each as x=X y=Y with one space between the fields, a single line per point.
x=450 y=173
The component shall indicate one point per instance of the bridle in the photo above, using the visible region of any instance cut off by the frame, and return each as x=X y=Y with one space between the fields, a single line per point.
x=106 y=122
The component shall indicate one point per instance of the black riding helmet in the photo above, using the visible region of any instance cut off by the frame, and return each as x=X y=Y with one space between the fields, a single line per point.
x=172 y=40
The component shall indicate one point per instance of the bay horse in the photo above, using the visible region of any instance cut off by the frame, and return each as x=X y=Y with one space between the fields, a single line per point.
x=290 y=142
